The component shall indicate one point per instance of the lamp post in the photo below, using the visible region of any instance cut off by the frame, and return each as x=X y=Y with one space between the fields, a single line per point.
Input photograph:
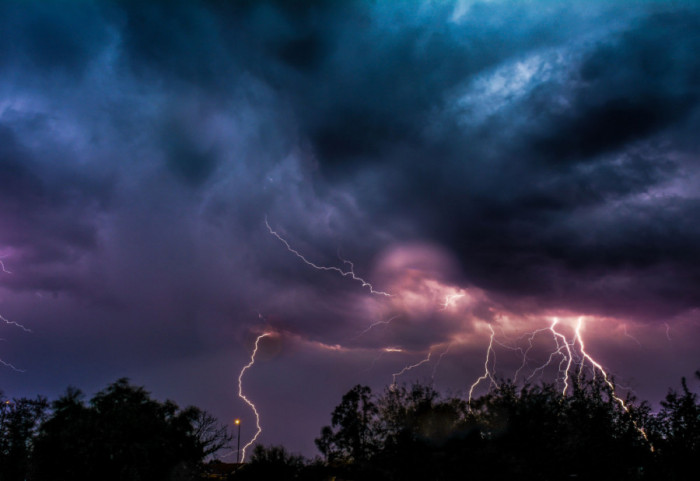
x=238 y=451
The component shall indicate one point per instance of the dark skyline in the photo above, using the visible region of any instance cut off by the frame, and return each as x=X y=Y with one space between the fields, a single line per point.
x=524 y=160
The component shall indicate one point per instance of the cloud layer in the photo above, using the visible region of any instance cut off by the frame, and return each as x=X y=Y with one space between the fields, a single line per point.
x=518 y=159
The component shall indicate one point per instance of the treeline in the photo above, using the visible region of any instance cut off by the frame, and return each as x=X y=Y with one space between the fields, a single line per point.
x=121 y=434
x=404 y=433
x=530 y=432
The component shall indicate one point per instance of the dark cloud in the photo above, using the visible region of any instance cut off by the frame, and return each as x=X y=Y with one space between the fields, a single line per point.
x=632 y=87
x=43 y=36
x=532 y=159
x=579 y=139
x=43 y=211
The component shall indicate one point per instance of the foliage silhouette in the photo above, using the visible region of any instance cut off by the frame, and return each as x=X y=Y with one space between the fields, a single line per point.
x=403 y=433
x=273 y=462
x=354 y=422
x=678 y=442
x=19 y=423
x=122 y=434
x=521 y=432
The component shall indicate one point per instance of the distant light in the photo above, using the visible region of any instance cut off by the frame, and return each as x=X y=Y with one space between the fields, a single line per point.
x=237 y=421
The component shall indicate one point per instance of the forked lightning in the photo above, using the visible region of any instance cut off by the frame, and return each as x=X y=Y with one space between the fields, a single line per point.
x=349 y=273
x=248 y=401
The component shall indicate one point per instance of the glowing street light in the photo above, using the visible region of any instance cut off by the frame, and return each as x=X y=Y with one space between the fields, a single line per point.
x=237 y=422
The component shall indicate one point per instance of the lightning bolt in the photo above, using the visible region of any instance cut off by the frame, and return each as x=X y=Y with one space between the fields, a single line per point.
x=487 y=372
x=2 y=267
x=571 y=352
x=16 y=324
x=4 y=270
x=408 y=368
x=607 y=381
x=375 y=324
x=568 y=352
x=530 y=340
x=668 y=331
x=383 y=351
x=624 y=328
x=450 y=300
x=437 y=364
x=567 y=358
x=7 y=364
x=248 y=401
x=347 y=273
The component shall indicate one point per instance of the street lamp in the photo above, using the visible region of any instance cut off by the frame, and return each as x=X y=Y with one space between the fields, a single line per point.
x=237 y=422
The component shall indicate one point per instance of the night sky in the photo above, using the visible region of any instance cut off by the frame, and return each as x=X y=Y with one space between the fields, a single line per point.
x=489 y=164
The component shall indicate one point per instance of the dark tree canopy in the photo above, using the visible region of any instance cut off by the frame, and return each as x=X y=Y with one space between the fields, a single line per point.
x=121 y=434
x=19 y=423
x=354 y=420
x=404 y=433
x=272 y=462
x=513 y=432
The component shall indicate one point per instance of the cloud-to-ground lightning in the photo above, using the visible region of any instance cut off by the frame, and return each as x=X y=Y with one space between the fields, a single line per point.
x=572 y=352
x=248 y=401
x=606 y=379
x=568 y=358
x=408 y=368
x=487 y=372
x=530 y=339
x=563 y=349
x=568 y=351
x=345 y=273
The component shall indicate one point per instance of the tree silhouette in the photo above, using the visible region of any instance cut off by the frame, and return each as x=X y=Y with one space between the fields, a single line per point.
x=679 y=426
x=513 y=432
x=415 y=424
x=19 y=422
x=272 y=462
x=122 y=434
x=353 y=419
x=406 y=433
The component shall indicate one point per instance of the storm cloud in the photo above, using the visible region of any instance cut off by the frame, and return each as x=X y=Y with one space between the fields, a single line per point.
x=526 y=157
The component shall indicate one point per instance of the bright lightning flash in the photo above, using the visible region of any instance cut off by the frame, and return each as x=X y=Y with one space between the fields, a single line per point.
x=564 y=351
x=488 y=374
x=248 y=401
x=416 y=293
x=571 y=352
x=619 y=400
x=345 y=273
x=451 y=300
